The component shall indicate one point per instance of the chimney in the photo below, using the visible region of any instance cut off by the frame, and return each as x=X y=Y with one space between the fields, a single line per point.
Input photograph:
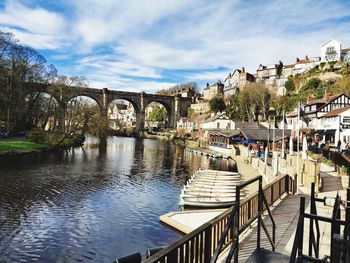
x=297 y=60
x=326 y=95
x=243 y=69
x=306 y=57
x=207 y=84
x=309 y=99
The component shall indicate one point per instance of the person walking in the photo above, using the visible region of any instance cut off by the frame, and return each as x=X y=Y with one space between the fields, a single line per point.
x=338 y=145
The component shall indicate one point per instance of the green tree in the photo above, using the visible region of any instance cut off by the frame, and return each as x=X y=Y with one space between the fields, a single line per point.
x=289 y=85
x=158 y=114
x=191 y=113
x=314 y=87
x=217 y=104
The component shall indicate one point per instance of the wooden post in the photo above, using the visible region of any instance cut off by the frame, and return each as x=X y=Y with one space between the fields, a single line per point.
x=260 y=203
x=208 y=245
x=302 y=214
x=238 y=196
x=311 y=228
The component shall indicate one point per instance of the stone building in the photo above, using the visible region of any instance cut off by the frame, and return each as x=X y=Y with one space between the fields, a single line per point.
x=214 y=90
x=237 y=81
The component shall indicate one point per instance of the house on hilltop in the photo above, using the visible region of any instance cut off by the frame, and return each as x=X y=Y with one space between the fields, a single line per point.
x=332 y=51
x=213 y=90
x=305 y=64
x=237 y=81
x=269 y=73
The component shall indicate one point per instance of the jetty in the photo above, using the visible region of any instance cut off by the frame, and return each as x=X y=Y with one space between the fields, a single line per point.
x=210 y=188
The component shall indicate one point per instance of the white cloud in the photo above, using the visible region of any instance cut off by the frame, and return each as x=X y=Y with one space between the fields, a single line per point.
x=124 y=41
x=99 y=22
x=35 y=27
x=35 y=20
x=208 y=76
x=111 y=66
x=37 y=41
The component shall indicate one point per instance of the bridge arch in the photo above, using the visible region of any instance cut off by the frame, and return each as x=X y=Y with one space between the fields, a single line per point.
x=82 y=94
x=168 y=107
x=116 y=119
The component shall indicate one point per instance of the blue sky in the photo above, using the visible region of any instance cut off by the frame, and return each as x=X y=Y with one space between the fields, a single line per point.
x=138 y=45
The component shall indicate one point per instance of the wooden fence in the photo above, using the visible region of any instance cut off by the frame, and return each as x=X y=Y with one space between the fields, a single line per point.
x=200 y=244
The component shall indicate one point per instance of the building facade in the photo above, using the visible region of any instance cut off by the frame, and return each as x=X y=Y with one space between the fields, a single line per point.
x=219 y=121
x=201 y=107
x=318 y=115
x=237 y=81
x=334 y=126
x=214 y=90
x=331 y=51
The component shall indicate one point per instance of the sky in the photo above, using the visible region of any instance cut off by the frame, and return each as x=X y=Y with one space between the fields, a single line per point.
x=138 y=45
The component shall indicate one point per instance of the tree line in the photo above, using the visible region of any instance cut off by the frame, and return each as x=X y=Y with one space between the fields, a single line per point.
x=21 y=109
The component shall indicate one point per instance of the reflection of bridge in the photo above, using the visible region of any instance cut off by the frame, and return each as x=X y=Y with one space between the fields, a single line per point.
x=175 y=106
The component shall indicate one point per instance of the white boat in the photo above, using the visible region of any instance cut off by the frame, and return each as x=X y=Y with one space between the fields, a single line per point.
x=210 y=188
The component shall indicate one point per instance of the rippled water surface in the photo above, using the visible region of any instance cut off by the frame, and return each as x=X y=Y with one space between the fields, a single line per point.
x=92 y=204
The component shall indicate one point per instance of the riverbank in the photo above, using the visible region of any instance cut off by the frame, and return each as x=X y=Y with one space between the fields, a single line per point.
x=10 y=147
x=20 y=146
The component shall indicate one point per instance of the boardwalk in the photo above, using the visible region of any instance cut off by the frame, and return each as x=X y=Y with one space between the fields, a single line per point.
x=286 y=214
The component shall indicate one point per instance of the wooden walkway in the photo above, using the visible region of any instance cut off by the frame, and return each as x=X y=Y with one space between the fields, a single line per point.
x=285 y=214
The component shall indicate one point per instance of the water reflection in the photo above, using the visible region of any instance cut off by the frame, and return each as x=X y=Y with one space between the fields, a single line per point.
x=92 y=204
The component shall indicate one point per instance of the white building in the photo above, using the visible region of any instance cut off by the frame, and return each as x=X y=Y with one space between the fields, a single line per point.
x=121 y=114
x=219 y=121
x=313 y=112
x=334 y=126
x=303 y=65
x=192 y=124
x=331 y=51
x=237 y=81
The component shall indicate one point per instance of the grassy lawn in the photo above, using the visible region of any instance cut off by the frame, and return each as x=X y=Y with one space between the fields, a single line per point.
x=20 y=146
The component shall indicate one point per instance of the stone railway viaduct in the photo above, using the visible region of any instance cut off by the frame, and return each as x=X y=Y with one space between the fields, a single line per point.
x=176 y=106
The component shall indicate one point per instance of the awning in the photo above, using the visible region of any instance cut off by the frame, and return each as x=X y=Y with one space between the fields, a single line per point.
x=331 y=131
x=248 y=141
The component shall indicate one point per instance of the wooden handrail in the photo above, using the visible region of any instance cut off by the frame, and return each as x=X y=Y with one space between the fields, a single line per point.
x=200 y=244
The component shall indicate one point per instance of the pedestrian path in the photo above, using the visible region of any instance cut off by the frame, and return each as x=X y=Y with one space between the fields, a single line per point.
x=286 y=215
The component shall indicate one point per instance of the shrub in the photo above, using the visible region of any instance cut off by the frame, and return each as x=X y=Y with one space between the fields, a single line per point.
x=78 y=140
x=36 y=135
x=343 y=170
x=328 y=162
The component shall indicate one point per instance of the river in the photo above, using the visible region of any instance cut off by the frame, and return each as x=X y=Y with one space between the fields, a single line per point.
x=93 y=204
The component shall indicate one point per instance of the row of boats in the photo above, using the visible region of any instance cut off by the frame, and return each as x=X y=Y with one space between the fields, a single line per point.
x=208 y=153
x=210 y=188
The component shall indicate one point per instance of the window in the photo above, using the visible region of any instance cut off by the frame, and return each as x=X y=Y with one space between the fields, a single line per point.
x=346 y=119
x=218 y=125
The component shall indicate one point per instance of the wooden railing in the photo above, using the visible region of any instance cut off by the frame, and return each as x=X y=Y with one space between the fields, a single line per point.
x=200 y=244
x=339 y=244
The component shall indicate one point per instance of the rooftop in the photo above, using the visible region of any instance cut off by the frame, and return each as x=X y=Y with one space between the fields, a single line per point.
x=336 y=112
